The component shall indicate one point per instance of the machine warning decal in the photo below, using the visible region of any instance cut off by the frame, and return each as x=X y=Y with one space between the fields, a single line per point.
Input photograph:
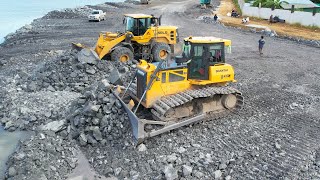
x=225 y=76
x=162 y=32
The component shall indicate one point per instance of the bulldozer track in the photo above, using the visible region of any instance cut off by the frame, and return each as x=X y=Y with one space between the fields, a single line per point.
x=167 y=103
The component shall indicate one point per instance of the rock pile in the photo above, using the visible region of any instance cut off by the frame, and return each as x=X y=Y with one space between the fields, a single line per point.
x=97 y=117
x=67 y=73
x=27 y=110
x=41 y=97
x=13 y=39
x=69 y=13
x=44 y=156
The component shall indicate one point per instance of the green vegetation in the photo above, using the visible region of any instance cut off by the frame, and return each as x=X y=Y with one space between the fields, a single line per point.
x=316 y=1
x=268 y=3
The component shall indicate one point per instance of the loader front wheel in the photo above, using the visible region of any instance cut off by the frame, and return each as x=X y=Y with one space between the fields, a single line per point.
x=122 y=54
x=161 y=52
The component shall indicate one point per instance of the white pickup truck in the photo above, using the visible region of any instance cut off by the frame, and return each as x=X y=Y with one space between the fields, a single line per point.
x=97 y=15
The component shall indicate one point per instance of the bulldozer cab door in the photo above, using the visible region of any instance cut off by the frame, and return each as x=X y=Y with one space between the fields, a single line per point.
x=138 y=26
x=198 y=67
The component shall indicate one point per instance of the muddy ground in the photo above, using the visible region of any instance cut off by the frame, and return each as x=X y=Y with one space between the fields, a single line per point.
x=43 y=88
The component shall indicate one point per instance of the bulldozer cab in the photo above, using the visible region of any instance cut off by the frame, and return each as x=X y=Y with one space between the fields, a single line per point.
x=138 y=24
x=204 y=52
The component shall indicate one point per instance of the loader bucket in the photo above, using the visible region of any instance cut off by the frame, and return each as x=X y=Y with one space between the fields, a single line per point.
x=88 y=56
x=85 y=55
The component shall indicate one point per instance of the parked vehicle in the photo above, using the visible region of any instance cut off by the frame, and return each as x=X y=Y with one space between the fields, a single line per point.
x=144 y=1
x=97 y=15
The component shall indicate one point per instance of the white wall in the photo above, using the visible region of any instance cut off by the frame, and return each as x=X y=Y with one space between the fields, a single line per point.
x=304 y=18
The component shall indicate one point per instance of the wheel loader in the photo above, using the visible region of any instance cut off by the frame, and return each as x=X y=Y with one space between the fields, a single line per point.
x=144 y=38
x=166 y=95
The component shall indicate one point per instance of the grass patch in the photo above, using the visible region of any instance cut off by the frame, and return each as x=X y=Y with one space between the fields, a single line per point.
x=299 y=25
x=257 y=18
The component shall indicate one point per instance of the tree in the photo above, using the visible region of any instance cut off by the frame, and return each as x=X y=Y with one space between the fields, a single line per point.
x=269 y=3
x=316 y=1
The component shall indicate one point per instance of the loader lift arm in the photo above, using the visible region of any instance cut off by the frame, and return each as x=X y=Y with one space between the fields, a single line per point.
x=109 y=46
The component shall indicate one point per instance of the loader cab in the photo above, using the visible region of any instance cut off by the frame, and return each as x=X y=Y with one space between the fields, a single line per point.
x=204 y=52
x=138 y=24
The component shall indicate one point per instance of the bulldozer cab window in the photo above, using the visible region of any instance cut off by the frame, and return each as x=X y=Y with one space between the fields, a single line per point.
x=198 y=67
x=216 y=53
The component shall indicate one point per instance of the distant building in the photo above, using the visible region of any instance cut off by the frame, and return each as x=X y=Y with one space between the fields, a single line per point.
x=302 y=5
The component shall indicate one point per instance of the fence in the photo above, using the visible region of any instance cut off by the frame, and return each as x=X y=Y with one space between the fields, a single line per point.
x=304 y=18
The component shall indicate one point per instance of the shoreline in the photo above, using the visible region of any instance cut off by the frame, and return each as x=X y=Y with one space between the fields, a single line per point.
x=42 y=13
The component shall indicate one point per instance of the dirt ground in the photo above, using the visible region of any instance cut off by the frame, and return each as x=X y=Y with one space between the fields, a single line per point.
x=275 y=136
x=283 y=29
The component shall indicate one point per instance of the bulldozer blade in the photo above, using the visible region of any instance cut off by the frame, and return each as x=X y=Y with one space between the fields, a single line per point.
x=134 y=120
x=138 y=125
x=88 y=56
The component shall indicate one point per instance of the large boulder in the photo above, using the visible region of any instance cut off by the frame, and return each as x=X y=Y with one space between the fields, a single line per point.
x=170 y=172
x=54 y=126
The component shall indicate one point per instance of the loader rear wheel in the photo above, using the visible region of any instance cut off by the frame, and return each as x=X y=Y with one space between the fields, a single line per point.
x=122 y=54
x=161 y=52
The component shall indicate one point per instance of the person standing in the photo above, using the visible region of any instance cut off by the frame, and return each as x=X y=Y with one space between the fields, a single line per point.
x=261 y=44
x=271 y=19
x=215 y=18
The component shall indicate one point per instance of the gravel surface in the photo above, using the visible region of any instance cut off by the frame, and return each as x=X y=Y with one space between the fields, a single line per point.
x=44 y=88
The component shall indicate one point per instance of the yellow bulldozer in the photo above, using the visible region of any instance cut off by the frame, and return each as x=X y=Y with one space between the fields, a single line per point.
x=144 y=38
x=192 y=88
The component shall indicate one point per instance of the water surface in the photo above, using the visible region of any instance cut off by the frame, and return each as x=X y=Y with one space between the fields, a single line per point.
x=15 y=14
x=8 y=143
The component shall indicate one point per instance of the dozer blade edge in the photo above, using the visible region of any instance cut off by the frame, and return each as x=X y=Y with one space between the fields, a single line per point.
x=138 y=125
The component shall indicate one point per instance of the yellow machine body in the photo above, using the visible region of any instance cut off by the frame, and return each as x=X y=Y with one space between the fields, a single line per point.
x=149 y=34
x=174 y=80
x=192 y=88
x=109 y=40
